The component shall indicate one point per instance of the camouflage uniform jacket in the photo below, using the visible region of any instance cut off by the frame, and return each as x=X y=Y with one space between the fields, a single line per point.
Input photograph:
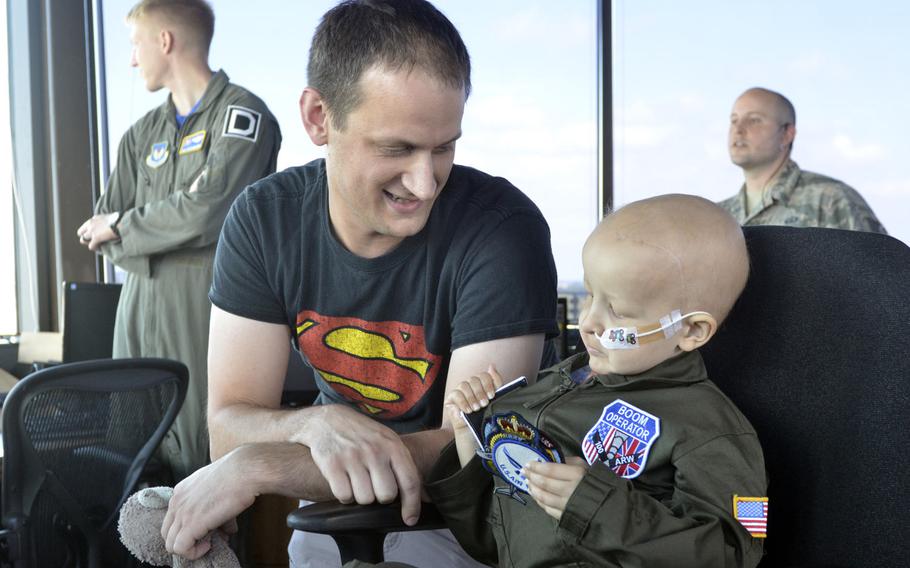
x=804 y=199
x=174 y=186
x=674 y=510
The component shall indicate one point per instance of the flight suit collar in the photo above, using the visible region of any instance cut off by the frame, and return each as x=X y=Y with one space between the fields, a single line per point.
x=685 y=368
x=217 y=83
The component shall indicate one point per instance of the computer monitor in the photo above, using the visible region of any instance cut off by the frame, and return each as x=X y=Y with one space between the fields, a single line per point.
x=89 y=310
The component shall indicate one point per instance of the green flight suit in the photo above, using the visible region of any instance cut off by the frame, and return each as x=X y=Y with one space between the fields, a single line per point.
x=174 y=187
x=676 y=513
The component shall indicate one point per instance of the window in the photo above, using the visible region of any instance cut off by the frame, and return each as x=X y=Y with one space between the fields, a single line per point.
x=532 y=117
x=678 y=66
x=8 y=311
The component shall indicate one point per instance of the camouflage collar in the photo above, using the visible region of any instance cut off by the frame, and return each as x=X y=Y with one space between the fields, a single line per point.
x=784 y=184
x=780 y=188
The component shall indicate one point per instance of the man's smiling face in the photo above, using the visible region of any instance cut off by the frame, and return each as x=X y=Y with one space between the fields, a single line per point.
x=392 y=159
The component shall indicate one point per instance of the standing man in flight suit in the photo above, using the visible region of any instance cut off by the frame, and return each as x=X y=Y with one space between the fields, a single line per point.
x=178 y=170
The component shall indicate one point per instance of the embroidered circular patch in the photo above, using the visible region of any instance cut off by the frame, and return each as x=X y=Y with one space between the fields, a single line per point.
x=510 y=442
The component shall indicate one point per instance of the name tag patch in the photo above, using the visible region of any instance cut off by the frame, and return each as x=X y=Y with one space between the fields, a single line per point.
x=158 y=155
x=622 y=438
x=242 y=122
x=192 y=142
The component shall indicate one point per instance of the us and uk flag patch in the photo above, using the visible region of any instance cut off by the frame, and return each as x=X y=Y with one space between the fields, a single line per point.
x=622 y=438
x=752 y=513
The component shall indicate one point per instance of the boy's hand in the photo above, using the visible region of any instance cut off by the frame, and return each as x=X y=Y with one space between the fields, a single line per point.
x=471 y=395
x=468 y=396
x=551 y=484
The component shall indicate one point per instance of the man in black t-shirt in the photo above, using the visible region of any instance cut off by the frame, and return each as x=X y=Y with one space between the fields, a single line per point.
x=396 y=274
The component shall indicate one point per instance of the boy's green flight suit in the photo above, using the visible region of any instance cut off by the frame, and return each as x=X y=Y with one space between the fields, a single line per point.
x=676 y=512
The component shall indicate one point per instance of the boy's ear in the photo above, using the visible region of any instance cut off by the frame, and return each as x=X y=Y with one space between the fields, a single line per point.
x=697 y=330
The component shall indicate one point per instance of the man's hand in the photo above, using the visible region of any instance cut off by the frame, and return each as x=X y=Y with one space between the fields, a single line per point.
x=551 y=484
x=363 y=461
x=209 y=499
x=97 y=230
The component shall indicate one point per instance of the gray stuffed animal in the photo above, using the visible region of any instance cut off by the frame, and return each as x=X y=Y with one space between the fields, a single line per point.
x=140 y=523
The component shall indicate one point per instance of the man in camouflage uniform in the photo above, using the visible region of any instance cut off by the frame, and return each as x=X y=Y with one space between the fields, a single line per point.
x=776 y=191
x=178 y=170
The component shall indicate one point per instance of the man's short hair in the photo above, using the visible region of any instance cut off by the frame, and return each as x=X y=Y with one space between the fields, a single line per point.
x=195 y=16
x=783 y=104
x=394 y=34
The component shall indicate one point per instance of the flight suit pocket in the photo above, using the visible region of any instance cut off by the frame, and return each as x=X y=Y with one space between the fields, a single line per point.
x=495 y=520
x=191 y=159
x=143 y=186
x=192 y=177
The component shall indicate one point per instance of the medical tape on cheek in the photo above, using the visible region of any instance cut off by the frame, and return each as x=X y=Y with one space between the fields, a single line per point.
x=632 y=338
x=619 y=338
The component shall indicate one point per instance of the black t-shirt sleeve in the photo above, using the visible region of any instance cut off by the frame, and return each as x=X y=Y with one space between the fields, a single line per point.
x=507 y=286
x=241 y=284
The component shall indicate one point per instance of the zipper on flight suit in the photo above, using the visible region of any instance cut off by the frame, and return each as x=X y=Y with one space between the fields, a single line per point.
x=565 y=386
x=180 y=134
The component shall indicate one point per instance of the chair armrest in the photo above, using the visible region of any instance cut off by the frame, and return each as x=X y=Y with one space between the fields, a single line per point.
x=332 y=517
x=10 y=545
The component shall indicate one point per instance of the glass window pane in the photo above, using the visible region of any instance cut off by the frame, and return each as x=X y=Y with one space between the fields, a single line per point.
x=531 y=119
x=679 y=66
x=8 y=311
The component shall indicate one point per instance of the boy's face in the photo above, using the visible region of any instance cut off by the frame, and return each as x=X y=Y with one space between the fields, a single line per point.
x=629 y=284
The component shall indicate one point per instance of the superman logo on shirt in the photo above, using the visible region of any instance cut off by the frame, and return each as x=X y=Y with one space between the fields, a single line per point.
x=384 y=367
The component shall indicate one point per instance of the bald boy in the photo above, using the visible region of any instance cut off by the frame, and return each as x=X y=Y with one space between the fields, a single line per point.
x=626 y=454
x=776 y=191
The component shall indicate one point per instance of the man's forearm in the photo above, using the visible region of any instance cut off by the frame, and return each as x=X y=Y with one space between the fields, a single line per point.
x=282 y=468
x=426 y=446
x=233 y=426
x=286 y=468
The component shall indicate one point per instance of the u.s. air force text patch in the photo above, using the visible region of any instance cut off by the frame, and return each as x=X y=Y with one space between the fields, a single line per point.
x=622 y=438
x=157 y=155
x=242 y=122
x=192 y=142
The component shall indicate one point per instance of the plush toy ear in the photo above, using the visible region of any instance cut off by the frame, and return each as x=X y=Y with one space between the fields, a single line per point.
x=220 y=555
x=140 y=523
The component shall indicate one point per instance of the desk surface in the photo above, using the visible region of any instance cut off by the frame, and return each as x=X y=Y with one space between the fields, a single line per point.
x=41 y=346
x=7 y=381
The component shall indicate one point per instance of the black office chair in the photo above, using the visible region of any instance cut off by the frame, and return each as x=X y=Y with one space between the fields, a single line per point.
x=815 y=354
x=76 y=438
x=360 y=530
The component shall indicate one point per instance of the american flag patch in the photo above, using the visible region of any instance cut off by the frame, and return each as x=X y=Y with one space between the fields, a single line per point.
x=752 y=513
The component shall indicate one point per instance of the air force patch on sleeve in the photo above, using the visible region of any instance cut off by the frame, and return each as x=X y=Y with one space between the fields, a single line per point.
x=242 y=122
x=622 y=438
